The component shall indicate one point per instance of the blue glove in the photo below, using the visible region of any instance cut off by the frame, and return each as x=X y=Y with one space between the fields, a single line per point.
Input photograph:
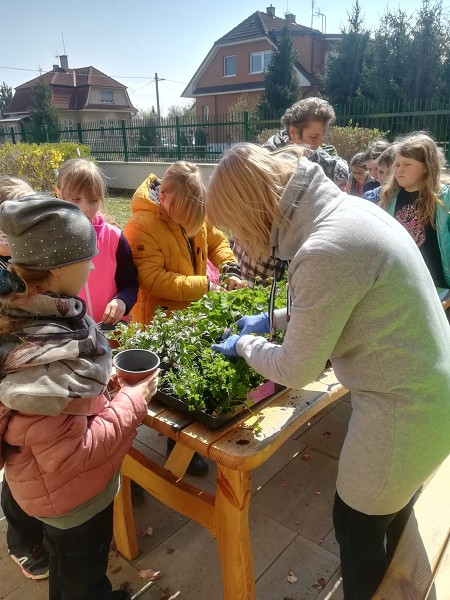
x=254 y=324
x=227 y=347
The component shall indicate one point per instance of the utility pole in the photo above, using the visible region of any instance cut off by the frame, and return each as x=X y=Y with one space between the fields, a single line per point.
x=157 y=95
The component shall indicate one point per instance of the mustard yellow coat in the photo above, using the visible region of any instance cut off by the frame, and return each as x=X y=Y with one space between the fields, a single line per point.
x=170 y=275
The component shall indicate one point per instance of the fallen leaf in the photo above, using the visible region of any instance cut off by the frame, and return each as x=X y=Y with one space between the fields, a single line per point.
x=323 y=540
x=317 y=493
x=305 y=456
x=321 y=583
x=292 y=578
x=150 y=574
x=144 y=532
x=170 y=551
x=326 y=434
x=284 y=485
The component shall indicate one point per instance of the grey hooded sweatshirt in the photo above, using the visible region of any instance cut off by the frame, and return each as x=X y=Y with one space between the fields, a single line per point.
x=363 y=297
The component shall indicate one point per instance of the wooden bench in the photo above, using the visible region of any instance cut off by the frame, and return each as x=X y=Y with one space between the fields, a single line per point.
x=420 y=568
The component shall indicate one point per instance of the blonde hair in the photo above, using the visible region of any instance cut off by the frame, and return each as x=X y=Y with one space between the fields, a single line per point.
x=244 y=193
x=420 y=146
x=187 y=207
x=80 y=176
x=13 y=187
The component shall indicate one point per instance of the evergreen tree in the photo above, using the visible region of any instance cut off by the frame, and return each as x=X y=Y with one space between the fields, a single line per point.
x=44 y=116
x=343 y=77
x=282 y=86
x=6 y=95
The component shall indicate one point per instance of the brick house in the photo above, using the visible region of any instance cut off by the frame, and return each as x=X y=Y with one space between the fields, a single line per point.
x=83 y=95
x=237 y=61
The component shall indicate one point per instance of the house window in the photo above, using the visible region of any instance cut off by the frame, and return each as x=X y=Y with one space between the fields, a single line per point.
x=259 y=61
x=229 y=66
x=106 y=97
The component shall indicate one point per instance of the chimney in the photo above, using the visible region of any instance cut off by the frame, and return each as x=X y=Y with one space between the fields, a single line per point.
x=290 y=18
x=270 y=10
x=56 y=67
x=64 y=62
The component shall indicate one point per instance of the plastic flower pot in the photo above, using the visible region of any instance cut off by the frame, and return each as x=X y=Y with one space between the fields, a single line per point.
x=107 y=329
x=135 y=365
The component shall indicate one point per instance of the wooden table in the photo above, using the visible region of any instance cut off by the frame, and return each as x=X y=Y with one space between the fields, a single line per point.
x=236 y=449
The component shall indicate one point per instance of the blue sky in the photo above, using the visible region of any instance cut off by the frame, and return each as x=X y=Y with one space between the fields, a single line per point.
x=133 y=40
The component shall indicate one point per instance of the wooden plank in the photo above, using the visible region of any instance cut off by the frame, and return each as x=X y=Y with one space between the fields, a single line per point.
x=423 y=547
x=233 y=492
x=246 y=447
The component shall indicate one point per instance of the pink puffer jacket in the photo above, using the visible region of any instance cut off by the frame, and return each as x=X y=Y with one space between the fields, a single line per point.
x=54 y=464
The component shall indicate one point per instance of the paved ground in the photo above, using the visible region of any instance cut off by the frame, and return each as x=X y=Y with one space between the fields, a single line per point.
x=291 y=528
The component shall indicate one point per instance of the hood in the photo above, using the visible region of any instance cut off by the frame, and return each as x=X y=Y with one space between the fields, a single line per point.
x=308 y=198
x=98 y=223
x=146 y=197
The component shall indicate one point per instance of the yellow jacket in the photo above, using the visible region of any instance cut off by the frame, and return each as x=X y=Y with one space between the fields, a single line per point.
x=170 y=274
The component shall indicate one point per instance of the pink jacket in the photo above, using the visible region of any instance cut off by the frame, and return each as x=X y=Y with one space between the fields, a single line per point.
x=101 y=285
x=54 y=464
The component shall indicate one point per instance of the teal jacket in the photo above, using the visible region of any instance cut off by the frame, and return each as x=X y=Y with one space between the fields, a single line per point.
x=442 y=227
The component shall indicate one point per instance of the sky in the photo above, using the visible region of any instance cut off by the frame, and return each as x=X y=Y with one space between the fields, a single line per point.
x=134 y=39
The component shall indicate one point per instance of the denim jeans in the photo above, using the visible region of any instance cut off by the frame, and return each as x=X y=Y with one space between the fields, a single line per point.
x=367 y=544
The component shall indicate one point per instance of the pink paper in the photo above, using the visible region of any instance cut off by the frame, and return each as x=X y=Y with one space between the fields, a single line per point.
x=263 y=391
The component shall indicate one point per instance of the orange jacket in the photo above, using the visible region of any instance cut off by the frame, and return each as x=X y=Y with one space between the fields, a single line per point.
x=170 y=274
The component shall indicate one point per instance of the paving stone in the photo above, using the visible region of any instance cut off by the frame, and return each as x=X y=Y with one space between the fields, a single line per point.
x=329 y=433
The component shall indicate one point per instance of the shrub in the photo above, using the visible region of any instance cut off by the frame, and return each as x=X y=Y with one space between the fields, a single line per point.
x=350 y=140
x=37 y=164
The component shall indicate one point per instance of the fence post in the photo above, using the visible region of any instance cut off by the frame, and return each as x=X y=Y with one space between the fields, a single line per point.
x=245 y=132
x=80 y=133
x=178 y=137
x=23 y=131
x=13 y=135
x=124 y=137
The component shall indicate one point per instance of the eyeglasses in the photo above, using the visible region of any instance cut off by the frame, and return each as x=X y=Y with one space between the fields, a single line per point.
x=358 y=173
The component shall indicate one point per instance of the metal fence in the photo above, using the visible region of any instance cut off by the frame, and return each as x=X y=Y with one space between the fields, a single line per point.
x=204 y=140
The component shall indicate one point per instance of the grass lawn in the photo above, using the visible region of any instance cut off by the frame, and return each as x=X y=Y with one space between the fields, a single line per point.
x=118 y=210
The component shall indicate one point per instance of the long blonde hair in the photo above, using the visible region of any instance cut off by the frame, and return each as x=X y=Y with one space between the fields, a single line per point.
x=80 y=176
x=244 y=193
x=13 y=187
x=420 y=146
x=187 y=208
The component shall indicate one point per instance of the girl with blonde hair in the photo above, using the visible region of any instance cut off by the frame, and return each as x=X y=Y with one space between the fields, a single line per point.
x=111 y=289
x=362 y=297
x=417 y=197
x=10 y=187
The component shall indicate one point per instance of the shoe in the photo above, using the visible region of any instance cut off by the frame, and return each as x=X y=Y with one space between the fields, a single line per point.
x=198 y=465
x=120 y=595
x=32 y=561
x=137 y=494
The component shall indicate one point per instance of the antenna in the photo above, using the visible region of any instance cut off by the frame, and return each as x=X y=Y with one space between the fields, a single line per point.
x=312 y=13
x=64 y=46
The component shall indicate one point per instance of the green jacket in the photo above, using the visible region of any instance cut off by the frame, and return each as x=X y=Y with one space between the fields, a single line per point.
x=442 y=227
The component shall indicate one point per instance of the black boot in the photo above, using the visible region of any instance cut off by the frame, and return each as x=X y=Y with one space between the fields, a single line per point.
x=198 y=465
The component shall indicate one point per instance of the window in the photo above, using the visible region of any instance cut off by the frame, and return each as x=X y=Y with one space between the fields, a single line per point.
x=106 y=97
x=229 y=66
x=259 y=61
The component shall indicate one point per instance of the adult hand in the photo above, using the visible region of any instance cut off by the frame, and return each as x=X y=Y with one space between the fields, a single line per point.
x=147 y=387
x=215 y=287
x=114 y=311
x=227 y=347
x=234 y=283
x=254 y=324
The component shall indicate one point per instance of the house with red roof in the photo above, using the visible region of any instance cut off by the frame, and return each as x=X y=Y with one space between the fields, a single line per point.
x=83 y=95
x=237 y=61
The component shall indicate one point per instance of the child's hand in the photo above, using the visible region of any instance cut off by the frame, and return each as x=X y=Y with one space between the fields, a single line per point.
x=147 y=387
x=114 y=311
x=234 y=283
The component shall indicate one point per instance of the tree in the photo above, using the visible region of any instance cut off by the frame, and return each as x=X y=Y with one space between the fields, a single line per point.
x=343 y=78
x=282 y=86
x=180 y=110
x=44 y=116
x=6 y=95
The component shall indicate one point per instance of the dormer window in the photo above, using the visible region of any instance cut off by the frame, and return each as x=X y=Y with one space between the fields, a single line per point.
x=259 y=61
x=106 y=97
x=229 y=66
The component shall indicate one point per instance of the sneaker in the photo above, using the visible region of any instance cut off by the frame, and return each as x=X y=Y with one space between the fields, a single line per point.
x=120 y=595
x=32 y=561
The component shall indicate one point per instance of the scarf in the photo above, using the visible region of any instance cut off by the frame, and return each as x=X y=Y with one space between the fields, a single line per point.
x=58 y=356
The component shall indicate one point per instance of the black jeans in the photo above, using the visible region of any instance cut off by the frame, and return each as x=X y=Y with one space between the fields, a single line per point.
x=23 y=531
x=79 y=559
x=367 y=544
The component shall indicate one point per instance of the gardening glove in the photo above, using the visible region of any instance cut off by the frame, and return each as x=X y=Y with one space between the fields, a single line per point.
x=254 y=324
x=227 y=347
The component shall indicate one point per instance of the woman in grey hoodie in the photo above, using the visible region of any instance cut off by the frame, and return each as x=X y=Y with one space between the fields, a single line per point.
x=363 y=297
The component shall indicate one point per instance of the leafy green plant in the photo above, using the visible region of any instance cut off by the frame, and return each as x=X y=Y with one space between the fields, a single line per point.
x=191 y=371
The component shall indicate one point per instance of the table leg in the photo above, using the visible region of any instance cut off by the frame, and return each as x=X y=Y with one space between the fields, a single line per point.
x=233 y=492
x=124 y=527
